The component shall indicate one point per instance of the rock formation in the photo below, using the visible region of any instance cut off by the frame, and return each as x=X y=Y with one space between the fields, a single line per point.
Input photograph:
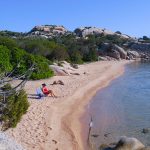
x=48 y=31
x=7 y=143
x=85 y=31
x=126 y=143
x=133 y=54
x=123 y=53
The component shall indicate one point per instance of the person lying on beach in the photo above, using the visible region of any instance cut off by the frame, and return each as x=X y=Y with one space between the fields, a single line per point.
x=46 y=91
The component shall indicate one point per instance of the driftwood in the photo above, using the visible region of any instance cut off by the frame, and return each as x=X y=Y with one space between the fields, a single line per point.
x=7 y=79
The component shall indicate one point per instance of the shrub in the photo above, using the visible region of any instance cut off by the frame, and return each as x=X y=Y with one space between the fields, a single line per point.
x=25 y=60
x=76 y=57
x=8 y=42
x=16 y=105
x=42 y=69
x=5 y=64
x=59 y=53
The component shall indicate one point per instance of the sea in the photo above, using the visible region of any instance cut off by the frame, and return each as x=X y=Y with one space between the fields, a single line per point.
x=120 y=109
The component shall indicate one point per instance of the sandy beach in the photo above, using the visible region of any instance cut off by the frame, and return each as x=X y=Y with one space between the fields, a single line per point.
x=53 y=123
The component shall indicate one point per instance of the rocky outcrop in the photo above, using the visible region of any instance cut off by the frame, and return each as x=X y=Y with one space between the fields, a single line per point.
x=85 y=31
x=113 y=50
x=115 y=54
x=64 y=70
x=7 y=143
x=133 y=54
x=122 y=52
x=142 y=48
x=126 y=143
x=48 y=31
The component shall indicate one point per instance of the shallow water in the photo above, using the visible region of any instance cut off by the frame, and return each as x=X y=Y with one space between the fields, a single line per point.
x=122 y=108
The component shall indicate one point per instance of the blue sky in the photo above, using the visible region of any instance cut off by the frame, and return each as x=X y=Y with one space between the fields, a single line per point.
x=128 y=16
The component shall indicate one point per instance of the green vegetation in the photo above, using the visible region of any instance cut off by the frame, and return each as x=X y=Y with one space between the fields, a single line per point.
x=5 y=64
x=144 y=39
x=11 y=55
x=15 y=106
x=41 y=51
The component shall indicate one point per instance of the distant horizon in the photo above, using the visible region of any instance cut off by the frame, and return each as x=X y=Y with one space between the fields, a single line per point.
x=128 y=17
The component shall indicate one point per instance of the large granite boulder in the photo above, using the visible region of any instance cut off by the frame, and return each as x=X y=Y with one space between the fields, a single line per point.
x=85 y=31
x=7 y=143
x=115 y=54
x=48 y=31
x=133 y=54
x=123 y=53
x=126 y=143
x=64 y=68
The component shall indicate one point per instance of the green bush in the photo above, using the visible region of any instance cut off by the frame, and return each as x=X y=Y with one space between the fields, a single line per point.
x=42 y=69
x=25 y=61
x=16 y=105
x=76 y=57
x=8 y=42
x=5 y=64
x=59 y=53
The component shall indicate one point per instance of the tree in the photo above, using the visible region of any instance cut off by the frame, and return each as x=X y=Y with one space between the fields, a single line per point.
x=59 y=53
x=76 y=57
x=8 y=42
x=16 y=105
x=145 y=38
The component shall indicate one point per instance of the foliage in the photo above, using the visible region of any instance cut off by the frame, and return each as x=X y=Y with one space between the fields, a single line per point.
x=9 y=59
x=11 y=34
x=8 y=42
x=146 y=38
x=15 y=106
x=59 y=53
x=65 y=47
x=76 y=57
x=118 y=32
x=38 y=46
x=5 y=64
x=42 y=69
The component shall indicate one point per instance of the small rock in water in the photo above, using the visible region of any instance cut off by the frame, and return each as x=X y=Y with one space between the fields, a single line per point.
x=95 y=135
x=106 y=135
x=146 y=130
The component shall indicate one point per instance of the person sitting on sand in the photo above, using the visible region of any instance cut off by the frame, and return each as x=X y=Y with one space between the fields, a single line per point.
x=46 y=91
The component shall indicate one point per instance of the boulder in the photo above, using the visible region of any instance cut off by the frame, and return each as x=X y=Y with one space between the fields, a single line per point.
x=146 y=130
x=63 y=68
x=102 y=58
x=134 y=54
x=115 y=54
x=59 y=71
x=126 y=143
x=85 y=31
x=123 y=53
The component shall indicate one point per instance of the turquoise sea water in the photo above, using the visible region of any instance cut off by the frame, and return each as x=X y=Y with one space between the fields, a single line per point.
x=122 y=108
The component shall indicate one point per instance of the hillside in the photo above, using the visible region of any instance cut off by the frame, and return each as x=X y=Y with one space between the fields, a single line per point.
x=84 y=44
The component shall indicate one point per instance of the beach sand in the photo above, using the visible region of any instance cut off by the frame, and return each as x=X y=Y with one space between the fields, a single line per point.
x=53 y=123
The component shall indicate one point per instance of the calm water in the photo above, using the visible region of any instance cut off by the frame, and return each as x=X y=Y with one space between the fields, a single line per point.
x=123 y=108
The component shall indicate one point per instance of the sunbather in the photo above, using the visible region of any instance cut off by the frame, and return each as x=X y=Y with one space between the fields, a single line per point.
x=46 y=91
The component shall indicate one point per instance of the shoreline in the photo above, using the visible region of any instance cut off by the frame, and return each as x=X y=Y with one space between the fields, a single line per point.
x=53 y=124
x=78 y=113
